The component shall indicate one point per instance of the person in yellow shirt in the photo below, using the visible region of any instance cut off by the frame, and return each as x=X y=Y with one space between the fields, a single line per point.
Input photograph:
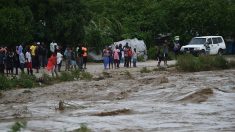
x=35 y=61
x=33 y=49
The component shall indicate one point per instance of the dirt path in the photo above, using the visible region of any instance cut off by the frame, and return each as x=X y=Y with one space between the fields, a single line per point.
x=127 y=100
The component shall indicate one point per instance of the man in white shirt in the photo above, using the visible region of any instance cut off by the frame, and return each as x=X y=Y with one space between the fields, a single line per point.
x=59 y=60
x=53 y=47
x=29 y=62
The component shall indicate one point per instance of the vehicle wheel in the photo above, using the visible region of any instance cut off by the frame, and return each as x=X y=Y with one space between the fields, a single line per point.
x=203 y=52
x=220 y=52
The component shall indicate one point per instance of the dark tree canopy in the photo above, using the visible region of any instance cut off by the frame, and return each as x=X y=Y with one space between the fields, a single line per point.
x=101 y=22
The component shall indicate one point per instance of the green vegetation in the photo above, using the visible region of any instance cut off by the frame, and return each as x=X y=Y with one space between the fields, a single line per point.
x=191 y=63
x=83 y=128
x=76 y=73
x=128 y=74
x=101 y=22
x=152 y=53
x=29 y=81
x=145 y=70
x=66 y=76
x=26 y=81
x=140 y=58
x=17 y=126
x=86 y=76
x=4 y=83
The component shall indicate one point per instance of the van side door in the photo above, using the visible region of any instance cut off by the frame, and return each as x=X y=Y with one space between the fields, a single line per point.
x=209 y=44
x=214 y=46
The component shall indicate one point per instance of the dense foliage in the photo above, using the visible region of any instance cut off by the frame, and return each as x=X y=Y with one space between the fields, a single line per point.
x=191 y=63
x=101 y=22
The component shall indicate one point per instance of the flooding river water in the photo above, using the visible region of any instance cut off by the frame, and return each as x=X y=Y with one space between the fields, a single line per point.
x=129 y=101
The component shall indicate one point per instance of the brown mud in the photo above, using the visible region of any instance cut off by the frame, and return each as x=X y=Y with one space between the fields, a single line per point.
x=126 y=100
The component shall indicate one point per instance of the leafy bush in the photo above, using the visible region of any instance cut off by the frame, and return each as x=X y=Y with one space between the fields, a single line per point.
x=152 y=53
x=220 y=62
x=83 y=128
x=17 y=126
x=191 y=63
x=66 y=76
x=76 y=73
x=140 y=58
x=4 y=83
x=46 y=79
x=86 y=76
x=26 y=81
x=145 y=70
x=171 y=55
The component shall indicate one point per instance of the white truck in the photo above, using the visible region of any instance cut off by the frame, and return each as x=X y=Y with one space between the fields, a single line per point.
x=205 y=45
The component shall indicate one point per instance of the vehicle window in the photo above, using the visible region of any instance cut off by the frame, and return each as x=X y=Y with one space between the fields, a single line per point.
x=215 y=40
x=209 y=41
x=220 y=40
x=197 y=41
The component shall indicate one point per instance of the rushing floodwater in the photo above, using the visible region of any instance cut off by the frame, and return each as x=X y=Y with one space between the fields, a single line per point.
x=158 y=101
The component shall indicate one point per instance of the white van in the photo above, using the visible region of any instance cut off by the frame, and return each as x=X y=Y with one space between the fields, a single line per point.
x=205 y=44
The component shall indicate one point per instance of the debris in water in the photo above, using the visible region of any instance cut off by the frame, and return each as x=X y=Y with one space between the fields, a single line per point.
x=61 y=105
x=113 y=113
x=164 y=79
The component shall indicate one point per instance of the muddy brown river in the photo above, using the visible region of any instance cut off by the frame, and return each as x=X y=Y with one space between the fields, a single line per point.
x=127 y=100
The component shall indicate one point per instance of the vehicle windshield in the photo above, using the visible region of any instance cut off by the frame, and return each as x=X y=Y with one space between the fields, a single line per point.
x=197 y=41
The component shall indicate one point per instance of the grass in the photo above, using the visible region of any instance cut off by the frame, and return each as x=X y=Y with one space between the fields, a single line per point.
x=17 y=126
x=191 y=63
x=83 y=128
x=128 y=74
x=86 y=76
x=145 y=70
x=106 y=74
x=30 y=81
x=140 y=58
x=66 y=76
x=4 y=83
x=76 y=73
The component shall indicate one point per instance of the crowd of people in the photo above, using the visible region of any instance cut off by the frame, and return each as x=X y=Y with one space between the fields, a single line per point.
x=113 y=57
x=21 y=57
x=37 y=55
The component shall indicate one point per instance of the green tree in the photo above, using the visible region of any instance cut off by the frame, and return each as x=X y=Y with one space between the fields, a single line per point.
x=15 y=25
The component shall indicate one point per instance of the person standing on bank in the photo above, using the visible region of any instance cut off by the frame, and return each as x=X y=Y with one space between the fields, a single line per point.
x=84 y=55
x=29 y=62
x=79 y=55
x=165 y=52
x=134 y=57
x=176 y=48
x=59 y=57
x=105 y=55
x=22 y=61
x=116 y=56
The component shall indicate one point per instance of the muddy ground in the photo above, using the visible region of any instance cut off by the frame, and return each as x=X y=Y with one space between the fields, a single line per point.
x=127 y=100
